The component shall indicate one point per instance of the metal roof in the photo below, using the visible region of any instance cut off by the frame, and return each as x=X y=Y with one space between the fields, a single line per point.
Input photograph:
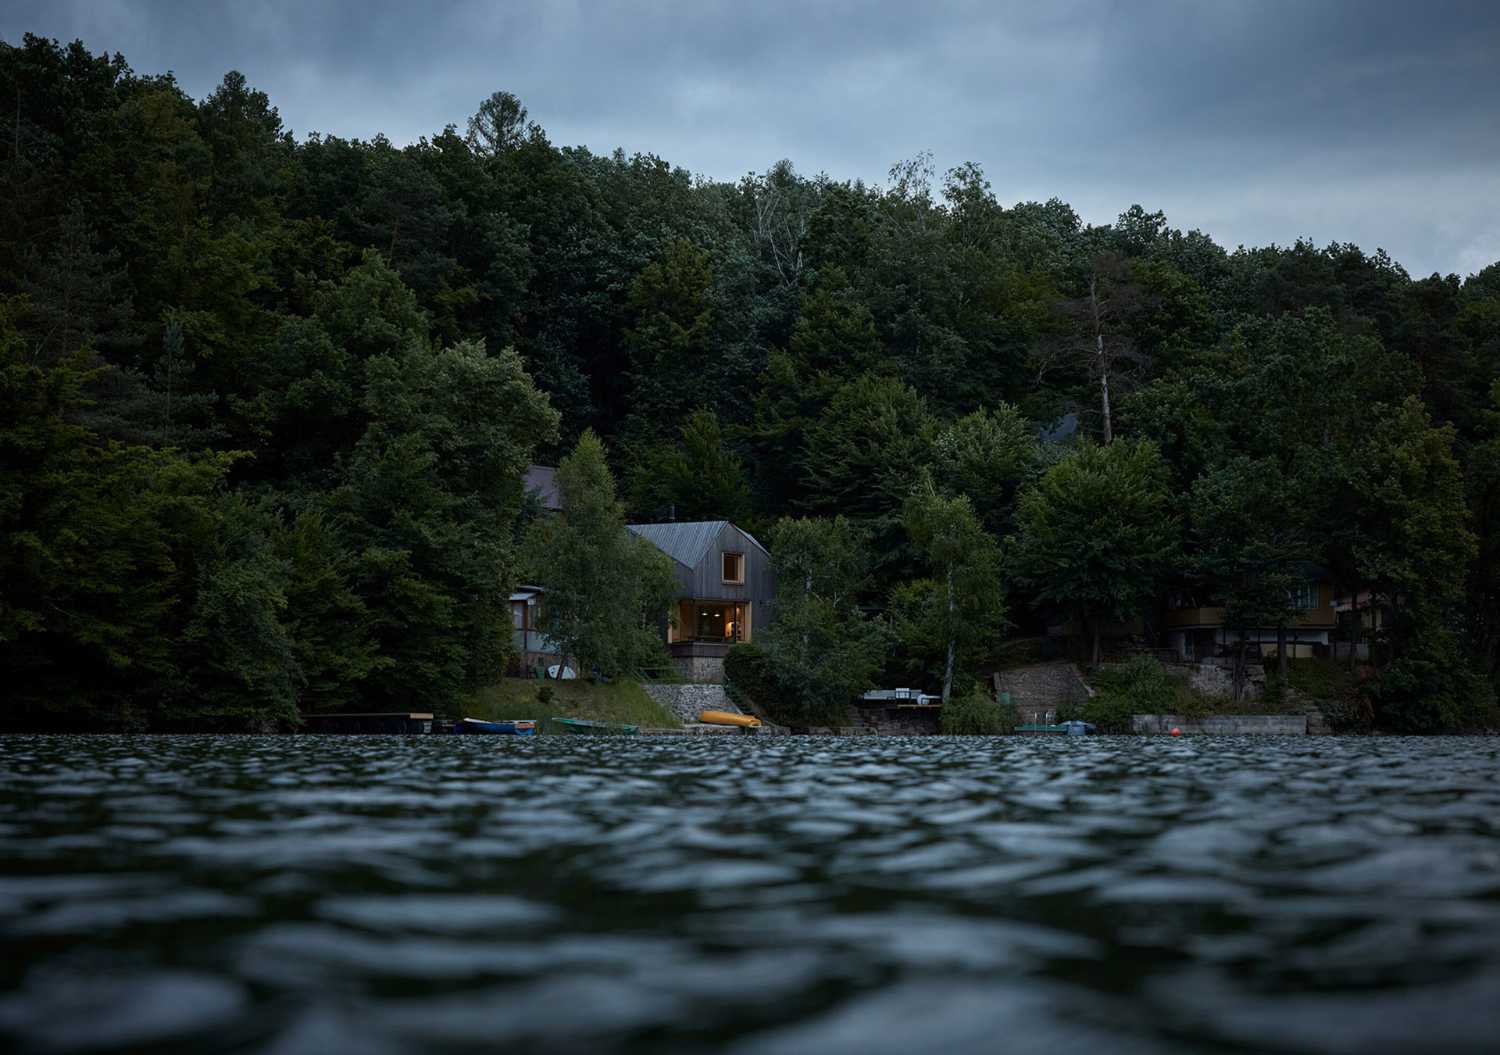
x=686 y=542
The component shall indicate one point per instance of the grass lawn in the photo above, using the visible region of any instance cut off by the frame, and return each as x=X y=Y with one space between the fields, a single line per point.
x=619 y=701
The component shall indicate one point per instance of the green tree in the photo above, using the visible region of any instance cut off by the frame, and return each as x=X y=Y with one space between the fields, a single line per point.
x=698 y=478
x=670 y=343
x=606 y=589
x=962 y=606
x=1097 y=534
x=865 y=454
x=105 y=564
x=330 y=626
x=986 y=456
x=433 y=488
x=1252 y=543
x=976 y=714
x=822 y=648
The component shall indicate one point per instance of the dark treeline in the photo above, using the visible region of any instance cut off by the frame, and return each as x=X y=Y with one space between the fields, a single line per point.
x=266 y=405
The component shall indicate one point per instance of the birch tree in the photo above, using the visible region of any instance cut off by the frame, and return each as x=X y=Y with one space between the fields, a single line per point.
x=961 y=606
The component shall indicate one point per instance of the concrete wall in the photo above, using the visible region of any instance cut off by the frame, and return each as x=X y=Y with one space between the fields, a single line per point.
x=686 y=702
x=1227 y=725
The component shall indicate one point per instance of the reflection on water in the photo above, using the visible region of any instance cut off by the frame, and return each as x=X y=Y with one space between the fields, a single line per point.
x=323 y=894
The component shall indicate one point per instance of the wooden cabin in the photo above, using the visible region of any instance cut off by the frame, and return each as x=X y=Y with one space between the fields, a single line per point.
x=727 y=591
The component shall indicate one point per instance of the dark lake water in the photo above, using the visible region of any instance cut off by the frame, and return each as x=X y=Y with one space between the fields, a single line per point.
x=799 y=895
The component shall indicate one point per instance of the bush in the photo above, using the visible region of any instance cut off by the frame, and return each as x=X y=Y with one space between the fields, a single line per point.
x=975 y=714
x=545 y=694
x=1432 y=689
x=1141 y=686
x=748 y=669
x=754 y=674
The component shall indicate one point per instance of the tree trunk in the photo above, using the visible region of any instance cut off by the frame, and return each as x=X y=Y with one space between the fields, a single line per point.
x=1281 y=663
x=1097 y=652
x=1102 y=363
x=1238 y=677
x=1354 y=631
x=806 y=593
x=1109 y=432
x=952 y=642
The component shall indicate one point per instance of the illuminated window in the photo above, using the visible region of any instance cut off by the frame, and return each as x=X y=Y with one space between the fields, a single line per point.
x=734 y=567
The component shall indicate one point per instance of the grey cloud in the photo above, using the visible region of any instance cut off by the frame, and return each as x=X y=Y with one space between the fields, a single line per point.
x=1366 y=121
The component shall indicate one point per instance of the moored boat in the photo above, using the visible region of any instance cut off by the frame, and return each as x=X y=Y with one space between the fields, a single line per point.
x=1059 y=728
x=517 y=727
x=745 y=721
x=587 y=727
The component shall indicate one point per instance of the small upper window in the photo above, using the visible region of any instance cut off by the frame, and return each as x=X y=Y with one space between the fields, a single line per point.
x=734 y=567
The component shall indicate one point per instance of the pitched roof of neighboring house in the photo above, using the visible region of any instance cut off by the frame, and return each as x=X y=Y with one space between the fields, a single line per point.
x=542 y=481
x=686 y=542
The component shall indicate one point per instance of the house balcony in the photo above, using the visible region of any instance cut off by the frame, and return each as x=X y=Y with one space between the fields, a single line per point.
x=700 y=649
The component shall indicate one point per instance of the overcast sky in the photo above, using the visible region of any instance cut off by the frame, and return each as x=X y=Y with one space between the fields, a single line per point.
x=1258 y=121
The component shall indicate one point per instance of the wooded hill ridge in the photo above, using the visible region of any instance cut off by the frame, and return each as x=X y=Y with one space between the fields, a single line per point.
x=266 y=404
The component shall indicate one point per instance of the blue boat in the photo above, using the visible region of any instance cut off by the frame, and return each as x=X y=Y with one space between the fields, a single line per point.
x=521 y=727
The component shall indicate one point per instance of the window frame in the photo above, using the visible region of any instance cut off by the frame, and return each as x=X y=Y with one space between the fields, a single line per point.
x=724 y=567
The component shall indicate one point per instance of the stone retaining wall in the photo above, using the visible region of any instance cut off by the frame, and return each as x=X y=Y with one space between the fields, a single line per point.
x=1041 y=689
x=686 y=702
x=1224 y=725
x=1215 y=677
x=894 y=721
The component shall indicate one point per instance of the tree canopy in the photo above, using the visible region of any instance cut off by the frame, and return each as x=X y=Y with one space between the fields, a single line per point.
x=268 y=401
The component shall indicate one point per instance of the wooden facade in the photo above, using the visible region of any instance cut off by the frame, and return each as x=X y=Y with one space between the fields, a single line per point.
x=726 y=587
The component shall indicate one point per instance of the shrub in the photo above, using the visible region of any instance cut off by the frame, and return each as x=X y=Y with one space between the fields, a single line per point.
x=748 y=669
x=1432 y=689
x=754 y=673
x=545 y=694
x=1141 y=686
x=975 y=714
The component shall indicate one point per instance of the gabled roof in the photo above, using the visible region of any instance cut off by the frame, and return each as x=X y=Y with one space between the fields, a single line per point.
x=542 y=481
x=686 y=542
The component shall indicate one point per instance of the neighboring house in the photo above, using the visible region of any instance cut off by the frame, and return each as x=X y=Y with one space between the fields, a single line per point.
x=1197 y=631
x=726 y=591
x=541 y=481
x=531 y=648
x=1373 y=616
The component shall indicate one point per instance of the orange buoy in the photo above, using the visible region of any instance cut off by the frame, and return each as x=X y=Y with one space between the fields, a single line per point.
x=1176 y=731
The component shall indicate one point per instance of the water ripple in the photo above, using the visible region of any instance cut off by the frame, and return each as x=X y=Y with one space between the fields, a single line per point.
x=322 y=894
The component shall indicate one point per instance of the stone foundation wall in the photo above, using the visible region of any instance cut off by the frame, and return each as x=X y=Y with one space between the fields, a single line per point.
x=1215 y=677
x=686 y=702
x=701 y=669
x=896 y=721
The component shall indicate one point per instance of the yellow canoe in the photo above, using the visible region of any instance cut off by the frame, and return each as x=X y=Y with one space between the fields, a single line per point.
x=728 y=718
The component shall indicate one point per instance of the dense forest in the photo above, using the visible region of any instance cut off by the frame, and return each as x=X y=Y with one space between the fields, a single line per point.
x=266 y=404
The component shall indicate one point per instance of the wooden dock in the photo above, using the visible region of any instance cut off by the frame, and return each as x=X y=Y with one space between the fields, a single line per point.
x=405 y=723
